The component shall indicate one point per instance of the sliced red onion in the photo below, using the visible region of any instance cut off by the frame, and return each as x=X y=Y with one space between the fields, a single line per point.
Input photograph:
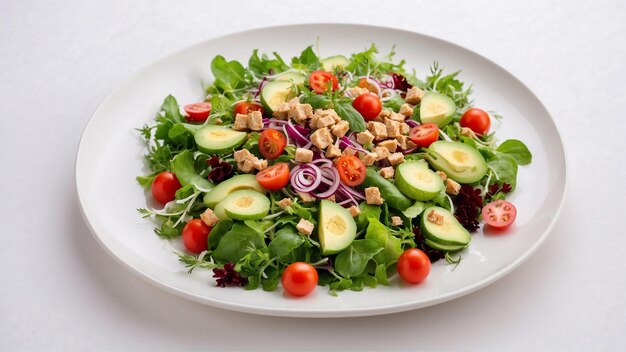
x=260 y=87
x=332 y=188
x=409 y=150
x=347 y=143
x=390 y=94
x=412 y=123
x=305 y=178
x=296 y=135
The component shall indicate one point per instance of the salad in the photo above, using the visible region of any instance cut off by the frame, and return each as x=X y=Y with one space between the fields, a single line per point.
x=340 y=171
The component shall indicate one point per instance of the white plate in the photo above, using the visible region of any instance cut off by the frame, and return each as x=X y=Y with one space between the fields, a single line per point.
x=110 y=155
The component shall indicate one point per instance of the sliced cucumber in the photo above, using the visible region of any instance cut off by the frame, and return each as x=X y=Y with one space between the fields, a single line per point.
x=459 y=161
x=246 y=205
x=337 y=61
x=276 y=92
x=443 y=247
x=417 y=181
x=236 y=183
x=337 y=228
x=437 y=108
x=213 y=139
x=449 y=232
x=291 y=76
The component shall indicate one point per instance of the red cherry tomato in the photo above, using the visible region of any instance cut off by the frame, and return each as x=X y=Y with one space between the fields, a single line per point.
x=368 y=105
x=352 y=170
x=274 y=177
x=299 y=279
x=318 y=81
x=197 y=112
x=477 y=120
x=246 y=107
x=413 y=266
x=424 y=135
x=195 y=235
x=499 y=214
x=272 y=143
x=164 y=187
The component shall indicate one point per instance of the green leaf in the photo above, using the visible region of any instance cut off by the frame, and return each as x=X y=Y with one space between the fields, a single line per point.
x=183 y=168
x=351 y=261
x=381 y=274
x=252 y=144
x=238 y=242
x=229 y=73
x=517 y=150
x=288 y=155
x=307 y=60
x=270 y=282
x=168 y=230
x=285 y=242
x=179 y=134
x=171 y=110
x=504 y=168
x=261 y=65
x=317 y=101
x=378 y=232
x=349 y=113
x=395 y=103
x=258 y=225
x=367 y=211
x=218 y=231
x=414 y=210
x=146 y=181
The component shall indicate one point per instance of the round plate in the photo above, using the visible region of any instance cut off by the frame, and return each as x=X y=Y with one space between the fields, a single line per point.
x=111 y=151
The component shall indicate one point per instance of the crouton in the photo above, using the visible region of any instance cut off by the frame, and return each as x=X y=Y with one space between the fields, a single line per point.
x=381 y=152
x=402 y=142
x=452 y=187
x=396 y=158
x=255 y=121
x=394 y=116
x=349 y=151
x=354 y=211
x=241 y=122
x=434 y=217
x=414 y=95
x=396 y=221
x=405 y=128
x=387 y=172
x=322 y=138
x=372 y=196
x=300 y=112
x=467 y=132
x=259 y=164
x=406 y=110
x=370 y=158
x=281 y=112
x=340 y=128
x=378 y=129
x=442 y=175
x=364 y=137
x=209 y=218
x=356 y=91
x=393 y=128
x=390 y=144
x=285 y=203
x=303 y=155
x=307 y=198
x=333 y=151
x=242 y=155
x=305 y=227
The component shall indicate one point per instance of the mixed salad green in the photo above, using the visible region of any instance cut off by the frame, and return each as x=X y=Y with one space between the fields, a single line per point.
x=337 y=172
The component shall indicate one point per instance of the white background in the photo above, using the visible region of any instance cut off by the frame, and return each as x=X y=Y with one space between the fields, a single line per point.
x=59 y=290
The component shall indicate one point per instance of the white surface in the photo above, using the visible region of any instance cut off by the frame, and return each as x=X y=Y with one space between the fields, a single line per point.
x=110 y=157
x=59 y=290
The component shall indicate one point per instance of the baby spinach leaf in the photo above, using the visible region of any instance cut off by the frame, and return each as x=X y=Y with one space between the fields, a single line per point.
x=367 y=211
x=307 y=60
x=317 y=101
x=270 y=282
x=285 y=241
x=351 y=262
x=349 y=113
x=261 y=65
x=258 y=225
x=183 y=168
x=394 y=103
x=381 y=274
x=171 y=110
x=237 y=243
x=504 y=168
x=231 y=73
x=392 y=245
x=218 y=231
x=516 y=149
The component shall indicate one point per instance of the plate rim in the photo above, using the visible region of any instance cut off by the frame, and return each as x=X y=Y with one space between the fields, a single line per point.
x=319 y=313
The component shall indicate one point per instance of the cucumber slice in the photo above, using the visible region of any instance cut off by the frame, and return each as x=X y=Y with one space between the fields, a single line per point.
x=337 y=61
x=450 y=232
x=443 y=247
x=213 y=139
x=437 y=108
x=459 y=161
x=417 y=181
x=336 y=228
x=291 y=76
x=246 y=205
x=276 y=92
x=235 y=183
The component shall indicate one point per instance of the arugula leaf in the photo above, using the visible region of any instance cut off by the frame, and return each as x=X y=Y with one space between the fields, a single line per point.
x=349 y=113
x=222 y=107
x=262 y=65
x=517 y=150
x=168 y=230
x=504 y=168
x=183 y=168
x=232 y=73
x=237 y=243
x=307 y=60
x=351 y=261
x=218 y=231
x=382 y=235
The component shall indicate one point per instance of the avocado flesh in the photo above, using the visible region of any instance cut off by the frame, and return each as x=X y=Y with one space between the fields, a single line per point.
x=336 y=228
x=236 y=183
x=459 y=161
x=246 y=205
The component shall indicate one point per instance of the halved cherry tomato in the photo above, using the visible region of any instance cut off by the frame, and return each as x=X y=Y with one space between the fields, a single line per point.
x=197 y=112
x=363 y=83
x=246 y=107
x=368 y=105
x=195 y=235
x=318 y=81
x=499 y=214
x=164 y=187
x=351 y=170
x=272 y=143
x=424 y=135
x=413 y=266
x=274 y=177
x=299 y=279
x=477 y=120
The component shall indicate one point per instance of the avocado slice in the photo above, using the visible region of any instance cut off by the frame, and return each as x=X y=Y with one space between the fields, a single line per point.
x=229 y=186
x=416 y=180
x=459 y=161
x=449 y=233
x=437 y=108
x=276 y=92
x=291 y=76
x=336 y=228
x=337 y=61
x=213 y=139
x=246 y=205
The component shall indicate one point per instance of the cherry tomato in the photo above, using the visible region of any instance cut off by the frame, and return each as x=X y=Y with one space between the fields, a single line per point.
x=413 y=266
x=477 y=120
x=197 y=112
x=499 y=214
x=368 y=105
x=318 y=81
x=363 y=83
x=164 y=187
x=195 y=235
x=246 y=107
x=424 y=135
x=274 y=177
x=272 y=143
x=299 y=279
x=351 y=170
